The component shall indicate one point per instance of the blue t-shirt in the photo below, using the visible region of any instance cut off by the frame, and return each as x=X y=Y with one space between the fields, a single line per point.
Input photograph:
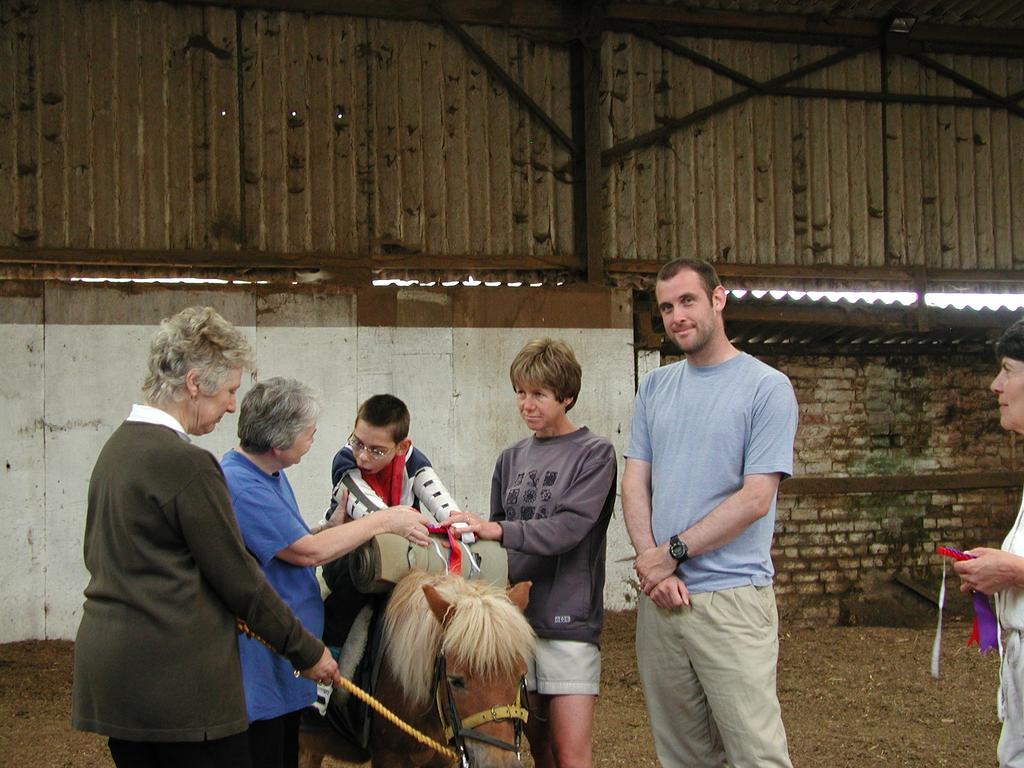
x=703 y=429
x=269 y=518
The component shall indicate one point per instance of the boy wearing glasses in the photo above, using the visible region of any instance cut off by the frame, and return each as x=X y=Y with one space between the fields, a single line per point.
x=375 y=469
x=377 y=465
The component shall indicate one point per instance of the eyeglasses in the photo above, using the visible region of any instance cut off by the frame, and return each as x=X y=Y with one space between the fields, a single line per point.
x=358 y=445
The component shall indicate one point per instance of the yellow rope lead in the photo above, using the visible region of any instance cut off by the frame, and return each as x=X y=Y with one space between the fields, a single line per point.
x=359 y=693
x=391 y=717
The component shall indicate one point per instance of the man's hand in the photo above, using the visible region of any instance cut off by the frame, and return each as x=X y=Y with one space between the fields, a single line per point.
x=653 y=566
x=670 y=593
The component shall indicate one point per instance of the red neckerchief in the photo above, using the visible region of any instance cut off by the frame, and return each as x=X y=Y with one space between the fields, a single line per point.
x=387 y=482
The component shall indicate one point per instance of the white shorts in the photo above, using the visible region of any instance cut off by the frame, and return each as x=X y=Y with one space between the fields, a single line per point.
x=562 y=667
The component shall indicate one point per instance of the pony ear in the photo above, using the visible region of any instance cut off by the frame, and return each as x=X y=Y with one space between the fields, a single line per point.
x=438 y=605
x=519 y=594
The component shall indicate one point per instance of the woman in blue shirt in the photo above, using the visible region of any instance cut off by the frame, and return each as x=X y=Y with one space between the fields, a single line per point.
x=276 y=425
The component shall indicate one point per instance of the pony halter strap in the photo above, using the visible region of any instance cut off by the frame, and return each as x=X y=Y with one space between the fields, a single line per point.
x=457 y=730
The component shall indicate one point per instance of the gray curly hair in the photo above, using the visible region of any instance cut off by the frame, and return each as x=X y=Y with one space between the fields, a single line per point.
x=274 y=413
x=197 y=338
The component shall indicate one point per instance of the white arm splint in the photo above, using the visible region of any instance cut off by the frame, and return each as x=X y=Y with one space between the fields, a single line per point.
x=362 y=499
x=435 y=500
x=435 y=497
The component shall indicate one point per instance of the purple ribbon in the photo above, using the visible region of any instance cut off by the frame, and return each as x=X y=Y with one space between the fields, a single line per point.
x=986 y=629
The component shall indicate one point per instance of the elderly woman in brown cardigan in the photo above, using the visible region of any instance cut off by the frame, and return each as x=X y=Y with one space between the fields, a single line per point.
x=156 y=660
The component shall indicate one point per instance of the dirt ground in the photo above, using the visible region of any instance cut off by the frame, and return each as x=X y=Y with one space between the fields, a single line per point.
x=850 y=697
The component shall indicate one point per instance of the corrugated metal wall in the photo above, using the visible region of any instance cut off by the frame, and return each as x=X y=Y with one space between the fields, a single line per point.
x=956 y=175
x=111 y=132
x=772 y=180
x=131 y=125
x=138 y=125
x=783 y=180
x=364 y=133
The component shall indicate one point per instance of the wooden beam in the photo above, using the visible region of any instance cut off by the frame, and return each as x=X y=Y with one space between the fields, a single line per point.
x=848 y=315
x=514 y=88
x=539 y=14
x=870 y=316
x=38 y=273
x=777 y=87
x=579 y=165
x=836 y=94
x=701 y=19
x=813 y=26
x=243 y=260
x=699 y=58
x=828 y=486
x=905 y=581
x=671 y=19
x=863 y=351
x=587 y=63
x=972 y=85
x=670 y=126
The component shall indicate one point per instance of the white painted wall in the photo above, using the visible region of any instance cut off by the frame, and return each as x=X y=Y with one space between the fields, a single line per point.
x=70 y=382
x=22 y=488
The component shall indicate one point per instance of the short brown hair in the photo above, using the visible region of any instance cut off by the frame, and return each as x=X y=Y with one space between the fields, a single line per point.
x=386 y=411
x=707 y=274
x=550 y=363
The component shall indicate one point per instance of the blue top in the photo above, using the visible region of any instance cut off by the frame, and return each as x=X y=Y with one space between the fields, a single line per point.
x=269 y=519
x=703 y=429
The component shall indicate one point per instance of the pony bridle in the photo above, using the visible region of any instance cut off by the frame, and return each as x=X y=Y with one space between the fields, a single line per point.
x=457 y=730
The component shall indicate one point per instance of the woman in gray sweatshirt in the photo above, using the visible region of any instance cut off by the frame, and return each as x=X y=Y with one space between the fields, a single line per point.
x=551 y=499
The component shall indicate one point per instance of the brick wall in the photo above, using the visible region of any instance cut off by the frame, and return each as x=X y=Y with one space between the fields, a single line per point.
x=886 y=416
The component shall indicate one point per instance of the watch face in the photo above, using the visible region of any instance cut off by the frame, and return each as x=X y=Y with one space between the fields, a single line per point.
x=676 y=548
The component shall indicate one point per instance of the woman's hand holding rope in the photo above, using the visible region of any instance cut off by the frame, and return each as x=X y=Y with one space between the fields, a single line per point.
x=324 y=671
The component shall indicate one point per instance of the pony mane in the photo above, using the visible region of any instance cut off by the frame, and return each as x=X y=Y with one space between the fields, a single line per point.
x=487 y=634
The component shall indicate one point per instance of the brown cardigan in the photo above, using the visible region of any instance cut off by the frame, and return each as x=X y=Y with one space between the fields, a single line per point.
x=156 y=658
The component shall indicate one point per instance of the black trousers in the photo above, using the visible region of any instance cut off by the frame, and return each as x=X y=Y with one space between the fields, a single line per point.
x=275 y=743
x=343 y=604
x=229 y=752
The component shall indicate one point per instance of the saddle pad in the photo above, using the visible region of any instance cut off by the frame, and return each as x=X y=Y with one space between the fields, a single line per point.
x=348 y=715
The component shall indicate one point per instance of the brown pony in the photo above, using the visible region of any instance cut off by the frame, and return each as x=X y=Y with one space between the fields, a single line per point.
x=455 y=654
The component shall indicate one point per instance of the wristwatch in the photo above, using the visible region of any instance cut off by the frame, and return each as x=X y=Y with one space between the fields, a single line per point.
x=678 y=549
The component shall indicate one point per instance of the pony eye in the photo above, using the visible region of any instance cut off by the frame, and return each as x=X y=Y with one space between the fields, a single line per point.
x=457 y=682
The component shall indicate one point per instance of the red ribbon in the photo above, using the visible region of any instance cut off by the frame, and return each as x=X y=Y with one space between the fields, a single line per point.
x=454 y=552
x=985 y=632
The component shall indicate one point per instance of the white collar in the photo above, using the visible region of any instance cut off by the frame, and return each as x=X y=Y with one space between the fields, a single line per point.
x=147 y=414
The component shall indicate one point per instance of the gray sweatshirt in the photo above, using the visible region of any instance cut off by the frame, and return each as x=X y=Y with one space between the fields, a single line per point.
x=553 y=498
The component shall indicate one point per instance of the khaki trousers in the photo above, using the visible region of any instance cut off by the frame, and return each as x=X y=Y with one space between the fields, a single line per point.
x=708 y=673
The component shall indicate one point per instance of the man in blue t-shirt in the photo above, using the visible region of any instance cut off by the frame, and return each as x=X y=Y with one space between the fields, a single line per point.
x=711 y=439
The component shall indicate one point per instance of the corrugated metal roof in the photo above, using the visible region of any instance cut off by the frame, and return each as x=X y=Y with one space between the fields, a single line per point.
x=788 y=325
